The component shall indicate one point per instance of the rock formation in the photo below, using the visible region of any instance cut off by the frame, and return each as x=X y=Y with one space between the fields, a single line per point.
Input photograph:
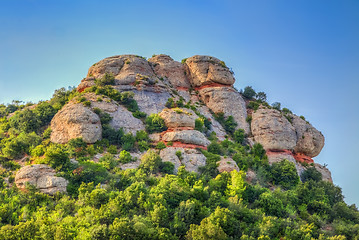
x=227 y=165
x=204 y=82
x=273 y=130
x=74 y=121
x=42 y=177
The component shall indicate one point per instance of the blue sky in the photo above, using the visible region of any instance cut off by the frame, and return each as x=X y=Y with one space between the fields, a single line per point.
x=304 y=54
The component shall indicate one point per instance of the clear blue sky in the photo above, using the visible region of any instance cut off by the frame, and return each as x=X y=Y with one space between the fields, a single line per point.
x=304 y=54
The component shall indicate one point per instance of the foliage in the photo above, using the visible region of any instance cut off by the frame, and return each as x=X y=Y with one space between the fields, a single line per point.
x=229 y=124
x=154 y=123
x=125 y=157
x=261 y=96
x=311 y=174
x=151 y=161
x=25 y=121
x=238 y=136
x=276 y=105
x=249 y=92
x=106 y=79
x=284 y=174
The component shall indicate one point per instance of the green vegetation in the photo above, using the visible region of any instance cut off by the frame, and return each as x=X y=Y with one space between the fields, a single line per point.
x=229 y=124
x=107 y=79
x=249 y=92
x=154 y=123
x=104 y=201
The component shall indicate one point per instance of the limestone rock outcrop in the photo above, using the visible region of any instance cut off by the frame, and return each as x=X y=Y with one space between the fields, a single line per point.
x=76 y=121
x=228 y=101
x=205 y=85
x=326 y=174
x=273 y=130
x=178 y=117
x=42 y=177
x=168 y=69
x=186 y=136
x=206 y=70
x=310 y=140
x=125 y=69
x=124 y=119
x=192 y=159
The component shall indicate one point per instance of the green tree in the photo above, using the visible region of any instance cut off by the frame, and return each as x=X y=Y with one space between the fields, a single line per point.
x=151 y=161
x=249 y=92
x=284 y=174
x=26 y=121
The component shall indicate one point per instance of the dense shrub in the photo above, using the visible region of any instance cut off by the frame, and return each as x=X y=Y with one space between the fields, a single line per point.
x=154 y=123
x=311 y=174
x=107 y=79
x=25 y=121
x=284 y=174
x=249 y=92
x=151 y=161
x=125 y=157
x=238 y=136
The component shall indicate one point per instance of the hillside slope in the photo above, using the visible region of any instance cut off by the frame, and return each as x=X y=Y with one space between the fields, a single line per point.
x=160 y=149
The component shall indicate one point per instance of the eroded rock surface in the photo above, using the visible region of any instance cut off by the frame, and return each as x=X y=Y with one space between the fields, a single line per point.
x=42 y=177
x=190 y=158
x=125 y=69
x=326 y=174
x=206 y=70
x=310 y=140
x=76 y=121
x=123 y=118
x=228 y=101
x=166 y=68
x=273 y=130
x=178 y=117
x=186 y=136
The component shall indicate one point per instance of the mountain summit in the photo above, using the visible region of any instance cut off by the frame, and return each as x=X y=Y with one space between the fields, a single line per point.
x=160 y=149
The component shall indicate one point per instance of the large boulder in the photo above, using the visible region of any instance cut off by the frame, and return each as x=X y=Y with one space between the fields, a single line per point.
x=42 y=177
x=125 y=69
x=205 y=70
x=192 y=159
x=75 y=120
x=166 y=68
x=186 y=136
x=178 y=117
x=310 y=141
x=273 y=130
x=228 y=101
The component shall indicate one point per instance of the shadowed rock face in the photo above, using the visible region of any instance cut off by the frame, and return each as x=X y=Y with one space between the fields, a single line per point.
x=42 y=177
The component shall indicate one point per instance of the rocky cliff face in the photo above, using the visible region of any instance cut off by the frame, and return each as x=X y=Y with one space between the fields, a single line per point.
x=160 y=83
